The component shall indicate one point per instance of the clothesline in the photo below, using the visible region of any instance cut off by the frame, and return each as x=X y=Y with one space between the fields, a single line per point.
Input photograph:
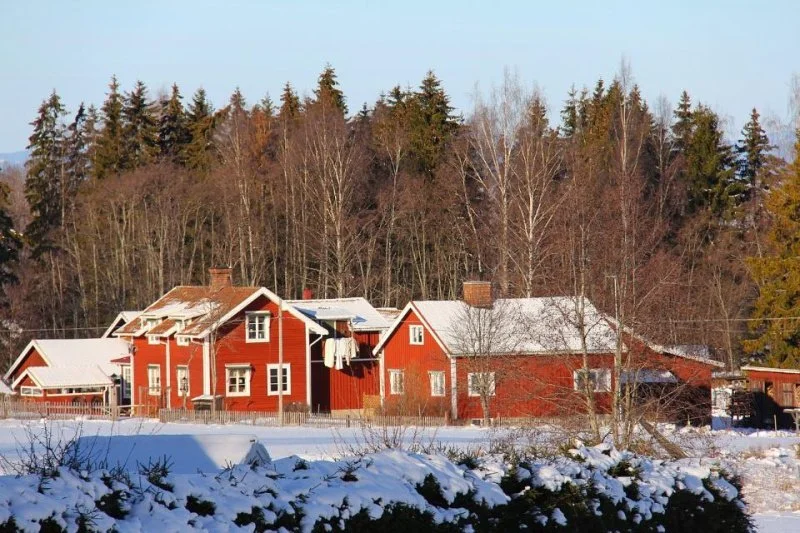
x=339 y=351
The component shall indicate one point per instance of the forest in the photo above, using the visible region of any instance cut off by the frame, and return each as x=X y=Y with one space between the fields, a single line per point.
x=645 y=208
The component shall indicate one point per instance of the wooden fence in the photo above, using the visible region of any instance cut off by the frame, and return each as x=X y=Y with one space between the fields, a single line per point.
x=58 y=411
x=260 y=418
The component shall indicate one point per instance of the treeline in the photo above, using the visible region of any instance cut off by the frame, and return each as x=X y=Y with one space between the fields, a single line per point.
x=646 y=210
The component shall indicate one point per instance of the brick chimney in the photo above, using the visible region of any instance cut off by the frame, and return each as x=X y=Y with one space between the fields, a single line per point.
x=220 y=277
x=308 y=294
x=478 y=293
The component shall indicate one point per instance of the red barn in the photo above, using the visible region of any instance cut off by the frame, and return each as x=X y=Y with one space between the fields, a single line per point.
x=345 y=386
x=222 y=343
x=76 y=371
x=523 y=355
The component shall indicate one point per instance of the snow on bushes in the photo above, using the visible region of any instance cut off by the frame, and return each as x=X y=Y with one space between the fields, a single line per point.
x=588 y=489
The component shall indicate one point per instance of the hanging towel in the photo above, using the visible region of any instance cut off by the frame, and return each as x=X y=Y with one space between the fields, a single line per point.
x=352 y=349
x=339 y=355
x=330 y=352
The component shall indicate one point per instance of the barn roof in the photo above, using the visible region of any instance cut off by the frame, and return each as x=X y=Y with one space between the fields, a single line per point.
x=74 y=376
x=359 y=311
x=517 y=325
x=67 y=353
x=205 y=308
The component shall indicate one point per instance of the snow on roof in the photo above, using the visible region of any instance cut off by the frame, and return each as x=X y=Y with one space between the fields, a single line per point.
x=364 y=317
x=122 y=318
x=74 y=376
x=521 y=325
x=648 y=375
x=87 y=352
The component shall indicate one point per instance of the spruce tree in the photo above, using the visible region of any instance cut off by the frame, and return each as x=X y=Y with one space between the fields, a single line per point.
x=141 y=131
x=173 y=133
x=432 y=124
x=43 y=179
x=200 y=124
x=290 y=103
x=682 y=128
x=752 y=150
x=569 y=115
x=328 y=90
x=110 y=149
x=777 y=275
x=10 y=242
x=77 y=164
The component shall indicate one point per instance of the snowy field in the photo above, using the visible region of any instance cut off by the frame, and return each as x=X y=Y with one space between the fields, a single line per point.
x=766 y=461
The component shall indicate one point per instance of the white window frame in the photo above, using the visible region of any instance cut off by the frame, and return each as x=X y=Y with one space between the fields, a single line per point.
x=601 y=379
x=416 y=335
x=438 y=383
x=248 y=372
x=28 y=390
x=257 y=315
x=75 y=391
x=396 y=382
x=476 y=393
x=182 y=340
x=125 y=375
x=287 y=384
x=153 y=339
x=153 y=371
x=183 y=369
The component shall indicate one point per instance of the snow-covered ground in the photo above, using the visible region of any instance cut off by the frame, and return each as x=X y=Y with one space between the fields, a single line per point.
x=766 y=461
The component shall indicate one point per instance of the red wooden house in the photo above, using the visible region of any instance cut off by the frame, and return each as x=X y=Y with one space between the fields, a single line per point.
x=241 y=347
x=354 y=382
x=438 y=355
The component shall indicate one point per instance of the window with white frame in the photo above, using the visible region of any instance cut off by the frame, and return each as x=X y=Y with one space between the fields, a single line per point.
x=153 y=339
x=182 y=377
x=416 y=335
x=30 y=391
x=599 y=379
x=437 y=383
x=257 y=326
x=274 y=385
x=125 y=382
x=481 y=384
x=182 y=340
x=237 y=379
x=154 y=380
x=396 y=384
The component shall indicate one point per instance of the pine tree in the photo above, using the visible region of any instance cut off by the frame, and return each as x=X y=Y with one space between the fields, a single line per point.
x=432 y=124
x=777 y=276
x=290 y=103
x=709 y=166
x=141 y=132
x=173 y=134
x=77 y=164
x=44 y=170
x=752 y=150
x=682 y=128
x=109 y=150
x=569 y=115
x=328 y=90
x=200 y=124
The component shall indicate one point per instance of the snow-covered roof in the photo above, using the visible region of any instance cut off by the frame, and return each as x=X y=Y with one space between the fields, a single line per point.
x=68 y=353
x=120 y=320
x=206 y=307
x=648 y=375
x=359 y=311
x=74 y=376
x=770 y=369
x=516 y=325
x=5 y=389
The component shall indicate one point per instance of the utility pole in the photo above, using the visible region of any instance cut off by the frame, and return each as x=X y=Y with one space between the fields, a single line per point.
x=280 y=361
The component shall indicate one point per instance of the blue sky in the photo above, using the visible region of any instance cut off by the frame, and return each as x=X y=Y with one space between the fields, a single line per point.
x=732 y=55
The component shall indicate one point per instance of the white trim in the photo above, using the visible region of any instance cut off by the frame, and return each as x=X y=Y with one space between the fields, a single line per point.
x=21 y=377
x=308 y=370
x=267 y=323
x=169 y=374
x=473 y=394
x=453 y=389
x=151 y=390
x=39 y=395
x=207 y=367
x=123 y=380
x=99 y=390
x=412 y=337
x=437 y=373
x=23 y=354
x=153 y=339
x=389 y=332
x=769 y=369
x=602 y=380
x=287 y=369
x=382 y=380
x=181 y=392
x=248 y=377
x=399 y=391
x=182 y=340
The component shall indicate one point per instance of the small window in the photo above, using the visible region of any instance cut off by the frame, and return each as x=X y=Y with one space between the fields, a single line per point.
x=599 y=378
x=238 y=380
x=125 y=382
x=257 y=327
x=396 y=385
x=273 y=385
x=182 y=340
x=154 y=380
x=30 y=391
x=182 y=377
x=416 y=335
x=437 y=383
x=481 y=383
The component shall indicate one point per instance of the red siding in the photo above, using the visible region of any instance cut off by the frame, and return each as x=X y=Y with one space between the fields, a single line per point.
x=345 y=389
x=33 y=358
x=760 y=380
